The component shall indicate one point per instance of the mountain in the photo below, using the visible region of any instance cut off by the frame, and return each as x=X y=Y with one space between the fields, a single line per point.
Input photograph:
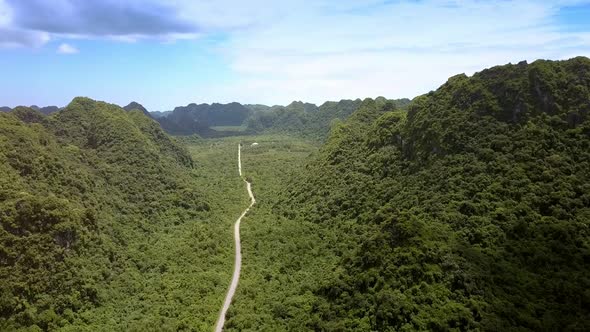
x=468 y=211
x=306 y=119
x=232 y=114
x=158 y=114
x=48 y=109
x=199 y=118
x=137 y=106
x=45 y=110
x=300 y=118
x=257 y=107
x=83 y=193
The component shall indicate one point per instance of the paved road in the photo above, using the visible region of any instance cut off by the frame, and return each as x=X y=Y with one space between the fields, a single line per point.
x=238 y=261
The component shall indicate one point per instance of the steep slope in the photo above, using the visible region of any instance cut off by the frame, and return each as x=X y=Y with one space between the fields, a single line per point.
x=137 y=106
x=471 y=211
x=79 y=190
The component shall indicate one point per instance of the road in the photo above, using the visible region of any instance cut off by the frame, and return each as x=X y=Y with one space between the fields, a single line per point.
x=238 y=259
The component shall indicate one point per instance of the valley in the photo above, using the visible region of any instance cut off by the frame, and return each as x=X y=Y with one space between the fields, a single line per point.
x=238 y=250
x=464 y=209
x=294 y=166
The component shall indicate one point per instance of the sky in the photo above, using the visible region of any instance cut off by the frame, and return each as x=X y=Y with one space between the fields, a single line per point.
x=166 y=53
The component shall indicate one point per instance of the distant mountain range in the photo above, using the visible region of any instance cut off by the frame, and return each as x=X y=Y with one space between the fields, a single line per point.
x=158 y=114
x=298 y=117
x=199 y=118
x=307 y=119
x=45 y=110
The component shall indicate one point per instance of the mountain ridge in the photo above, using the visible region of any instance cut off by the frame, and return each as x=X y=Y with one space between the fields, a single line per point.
x=469 y=210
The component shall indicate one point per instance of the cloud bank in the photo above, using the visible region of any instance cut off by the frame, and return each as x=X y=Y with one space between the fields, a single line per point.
x=99 y=17
x=28 y=23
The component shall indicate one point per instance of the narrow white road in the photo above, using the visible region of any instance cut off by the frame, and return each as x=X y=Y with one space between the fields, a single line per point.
x=238 y=261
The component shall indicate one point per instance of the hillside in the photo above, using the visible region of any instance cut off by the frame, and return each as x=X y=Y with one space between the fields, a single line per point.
x=45 y=110
x=470 y=211
x=158 y=114
x=298 y=118
x=137 y=106
x=81 y=192
x=198 y=118
x=304 y=119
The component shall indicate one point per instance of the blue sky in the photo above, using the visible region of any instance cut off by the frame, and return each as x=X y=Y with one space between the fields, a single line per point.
x=164 y=53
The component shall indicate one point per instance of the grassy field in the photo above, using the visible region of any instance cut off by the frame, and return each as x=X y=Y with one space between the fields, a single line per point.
x=229 y=128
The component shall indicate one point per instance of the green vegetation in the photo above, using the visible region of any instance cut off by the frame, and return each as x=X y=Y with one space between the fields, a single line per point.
x=45 y=110
x=471 y=211
x=198 y=119
x=468 y=209
x=307 y=120
x=108 y=224
x=222 y=120
x=283 y=258
x=136 y=106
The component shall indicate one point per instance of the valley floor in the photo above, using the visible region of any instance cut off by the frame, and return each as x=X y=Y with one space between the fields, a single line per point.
x=238 y=251
x=282 y=259
x=186 y=266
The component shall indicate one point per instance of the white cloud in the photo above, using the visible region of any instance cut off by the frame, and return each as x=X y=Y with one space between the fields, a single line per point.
x=403 y=49
x=317 y=50
x=5 y=14
x=67 y=49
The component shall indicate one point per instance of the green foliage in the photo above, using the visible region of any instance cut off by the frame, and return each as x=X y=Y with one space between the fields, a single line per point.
x=283 y=258
x=198 y=119
x=105 y=224
x=469 y=212
x=476 y=205
x=469 y=209
x=307 y=120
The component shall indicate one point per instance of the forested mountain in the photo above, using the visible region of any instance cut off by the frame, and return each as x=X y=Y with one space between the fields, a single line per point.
x=469 y=211
x=198 y=118
x=49 y=109
x=298 y=118
x=259 y=107
x=80 y=192
x=467 y=208
x=45 y=110
x=158 y=114
x=137 y=106
x=306 y=119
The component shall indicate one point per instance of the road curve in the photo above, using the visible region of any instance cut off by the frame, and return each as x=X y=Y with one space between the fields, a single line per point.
x=238 y=259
